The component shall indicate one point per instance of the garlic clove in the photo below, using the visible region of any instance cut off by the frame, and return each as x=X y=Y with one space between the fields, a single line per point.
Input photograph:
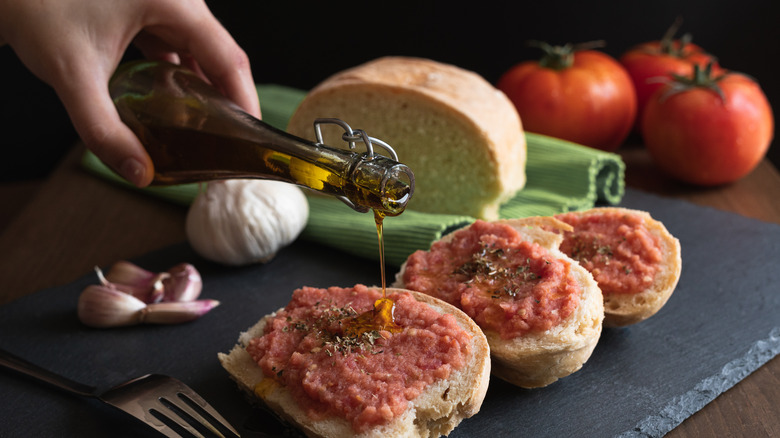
x=176 y=312
x=148 y=294
x=124 y=272
x=103 y=306
x=183 y=283
x=157 y=293
x=130 y=295
x=180 y=283
x=134 y=280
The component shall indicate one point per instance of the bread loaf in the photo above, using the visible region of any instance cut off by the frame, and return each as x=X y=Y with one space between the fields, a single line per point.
x=544 y=352
x=633 y=257
x=461 y=136
x=437 y=410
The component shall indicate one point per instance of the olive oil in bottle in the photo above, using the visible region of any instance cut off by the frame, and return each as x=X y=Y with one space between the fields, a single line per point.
x=192 y=133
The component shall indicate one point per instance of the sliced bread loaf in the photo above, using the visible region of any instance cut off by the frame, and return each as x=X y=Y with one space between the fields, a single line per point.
x=461 y=136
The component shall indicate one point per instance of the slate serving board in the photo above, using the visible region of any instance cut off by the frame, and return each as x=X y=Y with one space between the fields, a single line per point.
x=722 y=322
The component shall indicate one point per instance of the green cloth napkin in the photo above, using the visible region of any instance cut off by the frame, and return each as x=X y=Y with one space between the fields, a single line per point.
x=561 y=176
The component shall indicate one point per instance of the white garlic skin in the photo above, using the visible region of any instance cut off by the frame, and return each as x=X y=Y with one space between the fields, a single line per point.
x=239 y=222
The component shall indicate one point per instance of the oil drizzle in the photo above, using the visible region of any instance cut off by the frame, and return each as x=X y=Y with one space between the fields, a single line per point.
x=379 y=218
x=383 y=307
x=381 y=316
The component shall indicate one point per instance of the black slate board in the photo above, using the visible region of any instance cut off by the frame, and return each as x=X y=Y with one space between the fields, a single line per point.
x=722 y=322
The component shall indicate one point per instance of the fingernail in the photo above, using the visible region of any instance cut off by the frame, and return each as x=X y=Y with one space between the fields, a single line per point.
x=132 y=170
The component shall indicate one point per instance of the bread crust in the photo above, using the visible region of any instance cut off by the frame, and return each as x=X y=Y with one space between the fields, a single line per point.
x=435 y=412
x=539 y=359
x=626 y=309
x=456 y=131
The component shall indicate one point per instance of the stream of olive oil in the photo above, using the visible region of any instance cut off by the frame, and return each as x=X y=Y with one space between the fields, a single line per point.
x=381 y=316
x=383 y=307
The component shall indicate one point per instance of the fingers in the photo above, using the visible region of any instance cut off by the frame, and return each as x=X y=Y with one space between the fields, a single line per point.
x=75 y=46
x=227 y=67
x=155 y=49
x=192 y=31
x=96 y=120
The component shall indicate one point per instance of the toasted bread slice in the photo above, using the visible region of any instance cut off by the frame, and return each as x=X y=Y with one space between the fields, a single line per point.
x=628 y=299
x=436 y=411
x=539 y=358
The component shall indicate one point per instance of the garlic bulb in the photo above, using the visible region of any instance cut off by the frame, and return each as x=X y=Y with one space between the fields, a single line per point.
x=238 y=222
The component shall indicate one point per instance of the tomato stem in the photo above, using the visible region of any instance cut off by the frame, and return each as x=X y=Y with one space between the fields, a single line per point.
x=561 y=57
x=701 y=78
x=668 y=45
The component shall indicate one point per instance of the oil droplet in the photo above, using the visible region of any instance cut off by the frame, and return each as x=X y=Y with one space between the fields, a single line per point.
x=377 y=319
x=265 y=388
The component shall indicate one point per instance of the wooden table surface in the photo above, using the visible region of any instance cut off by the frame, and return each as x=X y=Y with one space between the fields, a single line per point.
x=55 y=231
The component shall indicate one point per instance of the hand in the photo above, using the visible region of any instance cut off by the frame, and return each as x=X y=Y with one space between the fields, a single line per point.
x=75 y=46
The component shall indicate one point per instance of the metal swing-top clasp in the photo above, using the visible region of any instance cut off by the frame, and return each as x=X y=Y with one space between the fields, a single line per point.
x=352 y=136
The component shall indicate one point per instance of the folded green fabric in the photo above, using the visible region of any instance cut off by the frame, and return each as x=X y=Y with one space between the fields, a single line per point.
x=561 y=176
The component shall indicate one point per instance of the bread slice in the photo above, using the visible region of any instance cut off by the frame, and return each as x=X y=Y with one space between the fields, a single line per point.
x=435 y=412
x=461 y=136
x=648 y=297
x=539 y=358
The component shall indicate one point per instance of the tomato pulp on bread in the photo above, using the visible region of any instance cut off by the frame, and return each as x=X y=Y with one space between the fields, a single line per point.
x=616 y=247
x=367 y=380
x=506 y=284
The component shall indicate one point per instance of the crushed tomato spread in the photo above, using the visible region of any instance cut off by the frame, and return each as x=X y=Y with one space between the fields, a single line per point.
x=368 y=380
x=616 y=247
x=504 y=283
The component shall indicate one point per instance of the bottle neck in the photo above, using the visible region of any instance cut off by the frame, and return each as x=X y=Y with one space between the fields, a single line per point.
x=192 y=133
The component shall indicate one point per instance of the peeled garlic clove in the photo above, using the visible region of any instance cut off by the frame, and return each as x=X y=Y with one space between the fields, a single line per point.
x=177 y=311
x=238 y=222
x=183 y=283
x=104 y=306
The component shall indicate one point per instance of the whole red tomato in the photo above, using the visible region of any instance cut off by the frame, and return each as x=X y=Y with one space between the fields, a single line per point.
x=708 y=130
x=584 y=96
x=650 y=64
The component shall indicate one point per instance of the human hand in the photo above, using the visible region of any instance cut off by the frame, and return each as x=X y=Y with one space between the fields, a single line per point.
x=75 y=46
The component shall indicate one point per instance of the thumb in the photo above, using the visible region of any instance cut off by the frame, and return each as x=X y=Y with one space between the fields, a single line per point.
x=97 y=122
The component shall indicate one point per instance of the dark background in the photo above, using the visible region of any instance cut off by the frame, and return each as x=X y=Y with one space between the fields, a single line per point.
x=300 y=43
